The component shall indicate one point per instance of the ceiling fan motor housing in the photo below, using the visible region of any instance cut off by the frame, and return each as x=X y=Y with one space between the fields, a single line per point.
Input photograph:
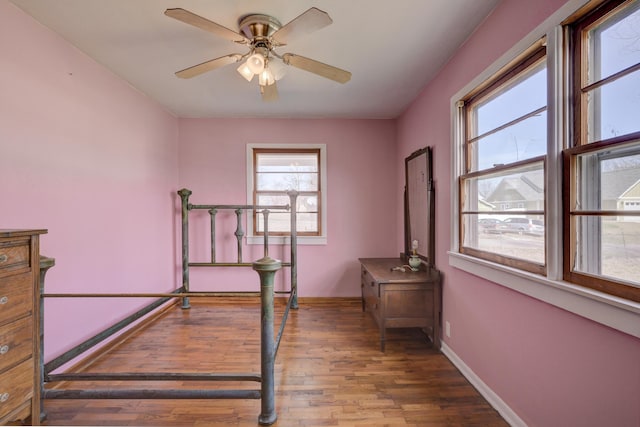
x=257 y=26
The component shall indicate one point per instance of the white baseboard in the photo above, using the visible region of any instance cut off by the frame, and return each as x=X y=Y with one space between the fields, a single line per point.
x=494 y=400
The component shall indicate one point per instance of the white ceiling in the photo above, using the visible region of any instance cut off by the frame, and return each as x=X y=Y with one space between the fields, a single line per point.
x=392 y=49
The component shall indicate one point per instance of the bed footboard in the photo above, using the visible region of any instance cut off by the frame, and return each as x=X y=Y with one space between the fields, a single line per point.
x=266 y=267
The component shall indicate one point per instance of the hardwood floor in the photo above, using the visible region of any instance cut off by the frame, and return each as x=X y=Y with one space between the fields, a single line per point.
x=329 y=372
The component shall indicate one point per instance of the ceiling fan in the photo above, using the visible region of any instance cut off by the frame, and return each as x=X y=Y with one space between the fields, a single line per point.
x=262 y=34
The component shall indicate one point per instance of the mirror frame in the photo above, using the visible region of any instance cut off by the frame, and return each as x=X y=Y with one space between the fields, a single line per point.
x=423 y=159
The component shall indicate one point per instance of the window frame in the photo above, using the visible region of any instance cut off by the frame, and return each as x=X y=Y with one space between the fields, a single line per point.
x=579 y=50
x=297 y=151
x=279 y=238
x=525 y=62
x=620 y=314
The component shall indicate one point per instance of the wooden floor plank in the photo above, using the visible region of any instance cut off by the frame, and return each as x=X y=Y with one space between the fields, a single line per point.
x=329 y=372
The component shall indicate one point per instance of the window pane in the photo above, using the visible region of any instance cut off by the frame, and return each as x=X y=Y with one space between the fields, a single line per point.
x=615 y=107
x=305 y=202
x=609 y=247
x=518 y=189
x=516 y=100
x=287 y=162
x=308 y=203
x=501 y=224
x=287 y=181
x=272 y=199
x=617 y=46
x=307 y=223
x=279 y=222
x=517 y=236
x=524 y=140
x=608 y=179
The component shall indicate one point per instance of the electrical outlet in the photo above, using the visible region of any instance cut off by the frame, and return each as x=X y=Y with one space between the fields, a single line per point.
x=447 y=329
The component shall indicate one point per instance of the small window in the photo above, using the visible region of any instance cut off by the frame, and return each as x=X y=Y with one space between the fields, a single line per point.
x=502 y=185
x=602 y=223
x=274 y=171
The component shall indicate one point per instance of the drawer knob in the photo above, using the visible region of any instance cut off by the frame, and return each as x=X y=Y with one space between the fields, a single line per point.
x=4 y=349
x=4 y=397
x=3 y=258
x=4 y=300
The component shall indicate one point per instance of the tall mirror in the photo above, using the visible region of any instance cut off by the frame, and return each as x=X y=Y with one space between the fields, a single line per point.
x=419 y=206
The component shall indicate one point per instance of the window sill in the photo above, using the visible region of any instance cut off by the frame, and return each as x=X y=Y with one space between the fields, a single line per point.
x=617 y=313
x=282 y=240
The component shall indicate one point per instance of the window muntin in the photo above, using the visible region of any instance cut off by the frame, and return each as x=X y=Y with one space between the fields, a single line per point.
x=504 y=164
x=602 y=168
x=277 y=171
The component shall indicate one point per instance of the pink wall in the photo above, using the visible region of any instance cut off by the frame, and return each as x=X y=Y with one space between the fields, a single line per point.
x=361 y=190
x=94 y=162
x=551 y=367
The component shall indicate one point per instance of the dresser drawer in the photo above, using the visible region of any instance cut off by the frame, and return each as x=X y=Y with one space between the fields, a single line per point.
x=408 y=301
x=14 y=255
x=16 y=297
x=16 y=387
x=16 y=342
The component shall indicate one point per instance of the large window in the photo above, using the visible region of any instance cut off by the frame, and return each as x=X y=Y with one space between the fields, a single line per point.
x=502 y=187
x=602 y=166
x=548 y=159
x=275 y=170
x=546 y=165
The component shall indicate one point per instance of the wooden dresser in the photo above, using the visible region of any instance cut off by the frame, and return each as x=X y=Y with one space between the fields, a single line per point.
x=19 y=317
x=399 y=299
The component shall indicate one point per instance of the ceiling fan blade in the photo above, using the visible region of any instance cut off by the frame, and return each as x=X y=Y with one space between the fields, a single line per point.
x=196 y=70
x=317 y=67
x=309 y=21
x=204 y=24
x=269 y=92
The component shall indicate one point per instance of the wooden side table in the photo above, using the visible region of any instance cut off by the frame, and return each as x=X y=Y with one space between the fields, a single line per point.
x=399 y=299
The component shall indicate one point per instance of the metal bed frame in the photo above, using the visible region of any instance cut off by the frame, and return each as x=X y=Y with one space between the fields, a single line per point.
x=266 y=267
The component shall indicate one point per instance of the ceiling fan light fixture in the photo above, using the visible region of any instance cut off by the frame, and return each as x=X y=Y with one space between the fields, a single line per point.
x=266 y=77
x=245 y=71
x=278 y=69
x=256 y=63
